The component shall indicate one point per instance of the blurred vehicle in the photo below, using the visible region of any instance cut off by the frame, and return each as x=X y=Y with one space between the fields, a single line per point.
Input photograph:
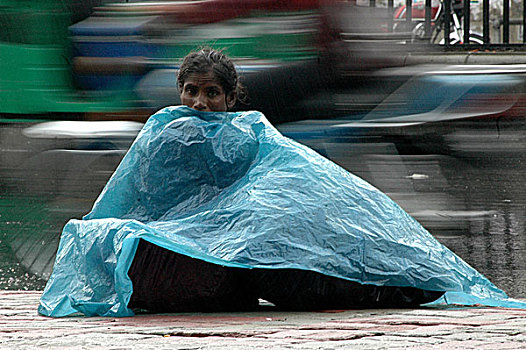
x=428 y=143
x=140 y=45
x=35 y=75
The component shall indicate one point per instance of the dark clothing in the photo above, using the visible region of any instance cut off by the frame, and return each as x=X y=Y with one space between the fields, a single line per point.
x=165 y=281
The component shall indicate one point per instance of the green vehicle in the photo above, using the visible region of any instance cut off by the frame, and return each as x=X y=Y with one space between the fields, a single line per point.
x=35 y=71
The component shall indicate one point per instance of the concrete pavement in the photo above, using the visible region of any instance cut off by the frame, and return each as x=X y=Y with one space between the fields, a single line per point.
x=451 y=328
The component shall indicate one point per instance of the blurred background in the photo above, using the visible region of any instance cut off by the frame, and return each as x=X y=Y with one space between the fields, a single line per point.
x=427 y=105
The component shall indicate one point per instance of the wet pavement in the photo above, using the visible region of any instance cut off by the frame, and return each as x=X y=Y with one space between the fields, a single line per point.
x=452 y=328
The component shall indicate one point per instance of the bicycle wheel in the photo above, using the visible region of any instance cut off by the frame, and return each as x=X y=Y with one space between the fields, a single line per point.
x=454 y=39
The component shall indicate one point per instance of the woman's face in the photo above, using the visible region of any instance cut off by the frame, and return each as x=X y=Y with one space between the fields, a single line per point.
x=202 y=92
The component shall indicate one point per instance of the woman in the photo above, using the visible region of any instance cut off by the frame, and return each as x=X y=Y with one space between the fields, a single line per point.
x=208 y=81
x=165 y=281
x=210 y=211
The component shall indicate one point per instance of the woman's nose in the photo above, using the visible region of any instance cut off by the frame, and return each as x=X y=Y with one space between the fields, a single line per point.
x=200 y=103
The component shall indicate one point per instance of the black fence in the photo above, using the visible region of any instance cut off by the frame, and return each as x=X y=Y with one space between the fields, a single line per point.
x=449 y=23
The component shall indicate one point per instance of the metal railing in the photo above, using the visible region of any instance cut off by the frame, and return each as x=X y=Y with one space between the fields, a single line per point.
x=454 y=20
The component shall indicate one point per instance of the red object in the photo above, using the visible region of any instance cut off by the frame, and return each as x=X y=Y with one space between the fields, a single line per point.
x=210 y=11
x=418 y=11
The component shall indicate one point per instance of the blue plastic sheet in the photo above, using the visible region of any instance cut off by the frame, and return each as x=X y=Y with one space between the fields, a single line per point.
x=229 y=189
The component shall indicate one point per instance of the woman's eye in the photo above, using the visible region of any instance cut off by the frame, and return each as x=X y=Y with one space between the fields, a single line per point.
x=190 y=90
x=212 y=93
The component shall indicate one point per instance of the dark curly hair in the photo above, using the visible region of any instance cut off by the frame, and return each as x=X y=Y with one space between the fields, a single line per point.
x=206 y=60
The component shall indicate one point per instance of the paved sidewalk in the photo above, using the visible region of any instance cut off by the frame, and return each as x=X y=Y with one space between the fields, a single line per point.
x=467 y=328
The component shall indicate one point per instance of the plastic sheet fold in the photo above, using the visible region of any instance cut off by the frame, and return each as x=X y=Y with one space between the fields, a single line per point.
x=229 y=189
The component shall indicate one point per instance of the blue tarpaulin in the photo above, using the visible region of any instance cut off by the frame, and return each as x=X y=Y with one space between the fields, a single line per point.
x=229 y=189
